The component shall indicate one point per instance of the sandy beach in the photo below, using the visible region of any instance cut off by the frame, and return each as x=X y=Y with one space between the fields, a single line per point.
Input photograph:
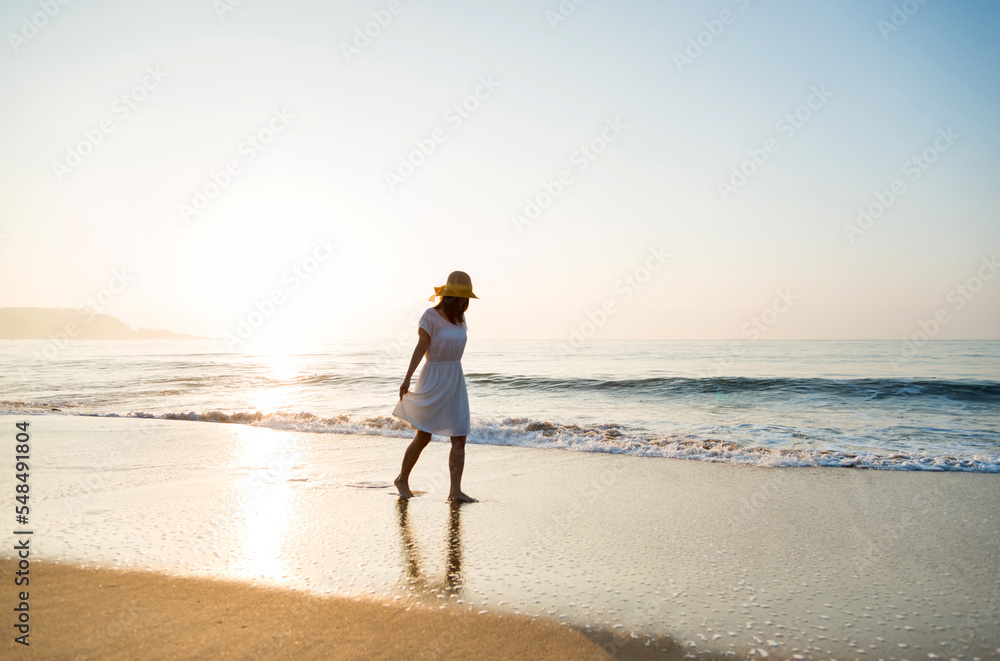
x=689 y=557
x=117 y=614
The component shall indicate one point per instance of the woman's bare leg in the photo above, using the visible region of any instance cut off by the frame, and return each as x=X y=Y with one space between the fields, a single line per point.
x=456 y=464
x=410 y=457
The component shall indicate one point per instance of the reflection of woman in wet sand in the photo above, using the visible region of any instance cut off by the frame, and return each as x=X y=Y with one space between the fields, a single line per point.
x=440 y=403
x=415 y=576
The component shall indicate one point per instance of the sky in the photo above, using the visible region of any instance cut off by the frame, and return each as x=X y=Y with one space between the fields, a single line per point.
x=615 y=170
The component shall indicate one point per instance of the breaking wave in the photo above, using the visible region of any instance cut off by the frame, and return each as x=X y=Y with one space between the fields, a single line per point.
x=608 y=438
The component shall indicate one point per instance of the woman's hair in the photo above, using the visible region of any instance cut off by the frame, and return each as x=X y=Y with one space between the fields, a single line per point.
x=454 y=308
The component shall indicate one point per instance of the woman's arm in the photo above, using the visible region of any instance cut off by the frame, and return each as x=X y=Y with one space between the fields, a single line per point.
x=423 y=341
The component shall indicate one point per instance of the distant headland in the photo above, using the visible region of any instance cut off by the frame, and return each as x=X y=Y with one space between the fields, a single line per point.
x=68 y=323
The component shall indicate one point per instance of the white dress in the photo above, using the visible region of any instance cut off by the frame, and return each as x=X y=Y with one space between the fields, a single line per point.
x=439 y=403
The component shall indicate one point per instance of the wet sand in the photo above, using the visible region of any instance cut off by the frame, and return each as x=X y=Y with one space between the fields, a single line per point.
x=815 y=563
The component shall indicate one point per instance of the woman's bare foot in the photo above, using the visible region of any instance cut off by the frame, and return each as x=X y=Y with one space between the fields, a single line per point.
x=403 y=488
x=461 y=497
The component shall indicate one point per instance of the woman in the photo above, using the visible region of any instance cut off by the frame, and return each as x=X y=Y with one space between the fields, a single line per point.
x=440 y=403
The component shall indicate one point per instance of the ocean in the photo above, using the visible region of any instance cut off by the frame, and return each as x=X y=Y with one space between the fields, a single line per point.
x=863 y=404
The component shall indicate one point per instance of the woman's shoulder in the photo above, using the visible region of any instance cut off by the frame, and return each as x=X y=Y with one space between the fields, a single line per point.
x=428 y=319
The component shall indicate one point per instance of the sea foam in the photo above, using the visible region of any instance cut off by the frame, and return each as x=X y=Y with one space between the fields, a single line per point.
x=607 y=438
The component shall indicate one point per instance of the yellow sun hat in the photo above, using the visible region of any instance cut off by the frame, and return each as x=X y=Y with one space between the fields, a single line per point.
x=459 y=284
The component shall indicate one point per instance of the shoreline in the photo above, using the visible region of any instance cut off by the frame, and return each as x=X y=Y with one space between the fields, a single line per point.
x=592 y=438
x=720 y=558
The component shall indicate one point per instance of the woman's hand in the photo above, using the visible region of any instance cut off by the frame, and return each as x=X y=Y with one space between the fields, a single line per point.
x=423 y=341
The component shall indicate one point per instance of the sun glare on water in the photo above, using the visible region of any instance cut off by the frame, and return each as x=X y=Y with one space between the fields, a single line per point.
x=277 y=365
